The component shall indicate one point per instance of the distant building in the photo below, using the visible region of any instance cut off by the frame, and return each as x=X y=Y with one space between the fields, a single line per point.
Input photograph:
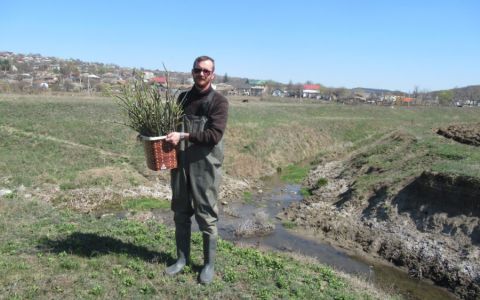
x=161 y=80
x=278 y=93
x=147 y=75
x=311 y=91
x=257 y=87
x=224 y=88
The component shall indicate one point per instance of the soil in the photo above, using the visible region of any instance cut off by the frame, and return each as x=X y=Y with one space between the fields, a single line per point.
x=430 y=225
x=463 y=133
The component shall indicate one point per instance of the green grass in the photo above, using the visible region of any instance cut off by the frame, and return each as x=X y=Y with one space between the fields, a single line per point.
x=48 y=253
x=321 y=182
x=248 y=197
x=305 y=192
x=294 y=173
x=56 y=138
x=289 y=224
x=64 y=136
x=278 y=134
x=400 y=156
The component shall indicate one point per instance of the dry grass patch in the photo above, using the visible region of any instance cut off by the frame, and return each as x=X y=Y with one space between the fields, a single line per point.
x=112 y=176
x=255 y=153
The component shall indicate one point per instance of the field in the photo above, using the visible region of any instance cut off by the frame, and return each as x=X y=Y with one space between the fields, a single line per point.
x=63 y=156
x=65 y=136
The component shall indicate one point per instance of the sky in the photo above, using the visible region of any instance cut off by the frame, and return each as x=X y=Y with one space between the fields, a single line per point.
x=385 y=44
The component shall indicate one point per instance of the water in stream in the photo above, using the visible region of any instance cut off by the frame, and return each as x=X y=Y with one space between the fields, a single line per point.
x=273 y=199
x=278 y=195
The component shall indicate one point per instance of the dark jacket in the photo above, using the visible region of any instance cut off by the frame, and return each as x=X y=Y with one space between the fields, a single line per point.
x=217 y=115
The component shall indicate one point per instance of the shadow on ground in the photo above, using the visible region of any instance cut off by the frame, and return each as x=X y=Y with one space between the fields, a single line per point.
x=91 y=245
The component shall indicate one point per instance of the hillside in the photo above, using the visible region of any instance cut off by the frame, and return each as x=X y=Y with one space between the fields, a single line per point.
x=32 y=73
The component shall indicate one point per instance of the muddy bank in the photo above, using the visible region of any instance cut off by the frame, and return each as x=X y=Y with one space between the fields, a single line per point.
x=430 y=225
x=464 y=133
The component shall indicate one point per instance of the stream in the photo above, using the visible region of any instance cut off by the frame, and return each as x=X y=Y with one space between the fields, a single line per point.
x=277 y=195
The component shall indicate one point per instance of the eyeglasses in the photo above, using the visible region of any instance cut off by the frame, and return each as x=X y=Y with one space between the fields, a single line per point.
x=200 y=70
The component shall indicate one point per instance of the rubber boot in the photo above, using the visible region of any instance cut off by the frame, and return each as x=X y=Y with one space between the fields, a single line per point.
x=182 y=239
x=209 y=251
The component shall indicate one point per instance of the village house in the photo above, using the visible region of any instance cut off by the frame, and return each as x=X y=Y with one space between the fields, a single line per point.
x=257 y=87
x=224 y=88
x=242 y=89
x=360 y=96
x=160 y=80
x=311 y=91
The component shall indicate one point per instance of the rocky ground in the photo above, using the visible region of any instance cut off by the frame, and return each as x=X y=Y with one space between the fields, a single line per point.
x=431 y=238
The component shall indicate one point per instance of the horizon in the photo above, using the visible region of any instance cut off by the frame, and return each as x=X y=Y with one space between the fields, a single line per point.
x=430 y=45
x=217 y=77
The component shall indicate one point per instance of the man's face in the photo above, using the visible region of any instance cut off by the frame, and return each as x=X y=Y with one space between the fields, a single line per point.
x=203 y=74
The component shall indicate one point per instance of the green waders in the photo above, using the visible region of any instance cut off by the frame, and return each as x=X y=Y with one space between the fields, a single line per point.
x=195 y=185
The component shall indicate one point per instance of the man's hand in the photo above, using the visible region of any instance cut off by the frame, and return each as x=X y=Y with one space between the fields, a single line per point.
x=175 y=137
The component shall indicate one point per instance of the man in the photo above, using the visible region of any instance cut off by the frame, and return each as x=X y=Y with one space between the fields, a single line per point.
x=196 y=181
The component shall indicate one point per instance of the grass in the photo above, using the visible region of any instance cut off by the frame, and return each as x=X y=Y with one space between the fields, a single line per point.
x=401 y=156
x=52 y=133
x=305 y=192
x=294 y=173
x=76 y=142
x=267 y=135
x=321 y=182
x=49 y=253
x=248 y=197
x=53 y=139
x=289 y=224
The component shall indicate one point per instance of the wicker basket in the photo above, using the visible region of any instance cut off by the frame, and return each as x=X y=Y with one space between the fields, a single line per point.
x=160 y=155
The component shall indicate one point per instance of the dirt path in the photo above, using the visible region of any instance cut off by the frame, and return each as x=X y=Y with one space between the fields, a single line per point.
x=12 y=130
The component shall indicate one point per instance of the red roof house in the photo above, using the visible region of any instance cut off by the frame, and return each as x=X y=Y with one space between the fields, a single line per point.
x=312 y=87
x=159 y=80
x=311 y=91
